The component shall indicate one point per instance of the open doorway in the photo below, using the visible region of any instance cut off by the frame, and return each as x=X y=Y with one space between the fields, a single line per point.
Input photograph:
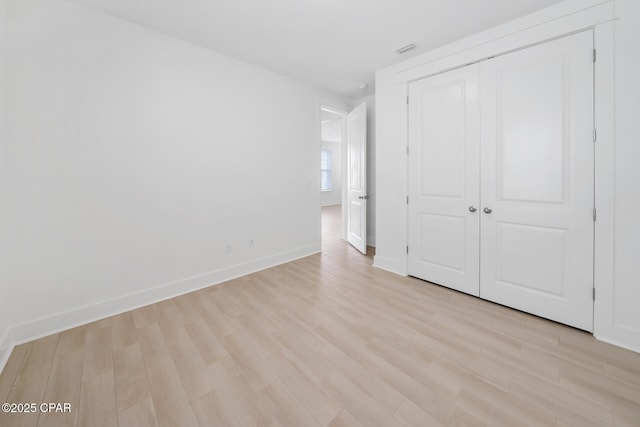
x=332 y=128
x=343 y=171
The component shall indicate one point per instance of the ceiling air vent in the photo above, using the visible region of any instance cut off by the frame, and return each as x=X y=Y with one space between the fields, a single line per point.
x=405 y=49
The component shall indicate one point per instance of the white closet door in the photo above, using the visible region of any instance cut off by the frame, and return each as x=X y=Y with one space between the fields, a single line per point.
x=537 y=180
x=443 y=179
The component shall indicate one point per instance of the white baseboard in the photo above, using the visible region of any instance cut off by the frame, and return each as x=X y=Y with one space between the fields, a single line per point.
x=389 y=265
x=24 y=332
x=4 y=357
x=631 y=346
x=6 y=347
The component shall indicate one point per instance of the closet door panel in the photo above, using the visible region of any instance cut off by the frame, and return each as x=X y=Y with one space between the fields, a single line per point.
x=443 y=179
x=537 y=180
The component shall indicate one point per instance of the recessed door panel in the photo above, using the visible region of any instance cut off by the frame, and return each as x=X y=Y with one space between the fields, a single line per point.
x=537 y=180
x=443 y=179
x=355 y=209
x=532 y=132
x=532 y=258
x=443 y=227
x=442 y=140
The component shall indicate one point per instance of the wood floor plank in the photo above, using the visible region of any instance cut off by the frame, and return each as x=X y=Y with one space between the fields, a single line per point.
x=217 y=320
x=431 y=397
x=287 y=408
x=601 y=388
x=256 y=369
x=141 y=413
x=364 y=408
x=626 y=416
x=170 y=400
x=132 y=387
x=144 y=316
x=368 y=385
x=11 y=370
x=71 y=340
x=196 y=378
x=37 y=361
x=64 y=386
x=207 y=343
x=567 y=406
x=344 y=419
x=98 y=400
x=215 y=409
x=98 y=353
x=254 y=329
x=153 y=346
x=30 y=392
x=123 y=330
x=318 y=403
x=231 y=396
x=502 y=409
x=312 y=364
x=621 y=373
x=411 y=414
x=98 y=324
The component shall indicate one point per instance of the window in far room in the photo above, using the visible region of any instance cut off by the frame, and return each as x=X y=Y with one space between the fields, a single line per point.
x=325 y=170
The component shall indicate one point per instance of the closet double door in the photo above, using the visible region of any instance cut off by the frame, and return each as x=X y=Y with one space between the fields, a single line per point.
x=501 y=179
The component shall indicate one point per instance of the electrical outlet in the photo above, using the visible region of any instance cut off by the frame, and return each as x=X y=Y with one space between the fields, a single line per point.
x=227 y=248
x=252 y=243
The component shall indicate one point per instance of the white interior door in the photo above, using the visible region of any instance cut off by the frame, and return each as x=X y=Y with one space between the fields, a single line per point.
x=357 y=177
x=537 y=180
x=443 y=179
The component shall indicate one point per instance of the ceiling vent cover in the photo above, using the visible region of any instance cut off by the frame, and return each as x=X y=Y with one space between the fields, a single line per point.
x=405 y=49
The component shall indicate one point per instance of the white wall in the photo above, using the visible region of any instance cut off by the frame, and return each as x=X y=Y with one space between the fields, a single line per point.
x=617 y=243
x=391 y=174
x=333 y=197
x=5 y=303
x=623 y=320
x=134 y=158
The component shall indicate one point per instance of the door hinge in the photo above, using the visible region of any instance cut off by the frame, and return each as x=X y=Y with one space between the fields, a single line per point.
x=595 y=135
x=594 y=55
x=594 y=214
x=407 y=249
x=407 y=199
x=407 y=99
x=594 y=294
x=407 y=150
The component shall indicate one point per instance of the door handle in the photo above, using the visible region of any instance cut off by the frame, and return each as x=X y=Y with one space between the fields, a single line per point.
x=363 y=197
x=472 y=209
x=487 y=210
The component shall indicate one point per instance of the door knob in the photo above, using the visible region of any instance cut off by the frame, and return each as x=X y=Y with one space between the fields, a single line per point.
x=472 y=209
x=363 y=197
x=487 y=210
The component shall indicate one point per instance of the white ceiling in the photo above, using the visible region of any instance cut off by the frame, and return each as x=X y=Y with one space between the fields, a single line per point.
x=333 y=44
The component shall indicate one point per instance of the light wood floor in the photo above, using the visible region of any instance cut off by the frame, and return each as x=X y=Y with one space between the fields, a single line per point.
x=326 y=340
